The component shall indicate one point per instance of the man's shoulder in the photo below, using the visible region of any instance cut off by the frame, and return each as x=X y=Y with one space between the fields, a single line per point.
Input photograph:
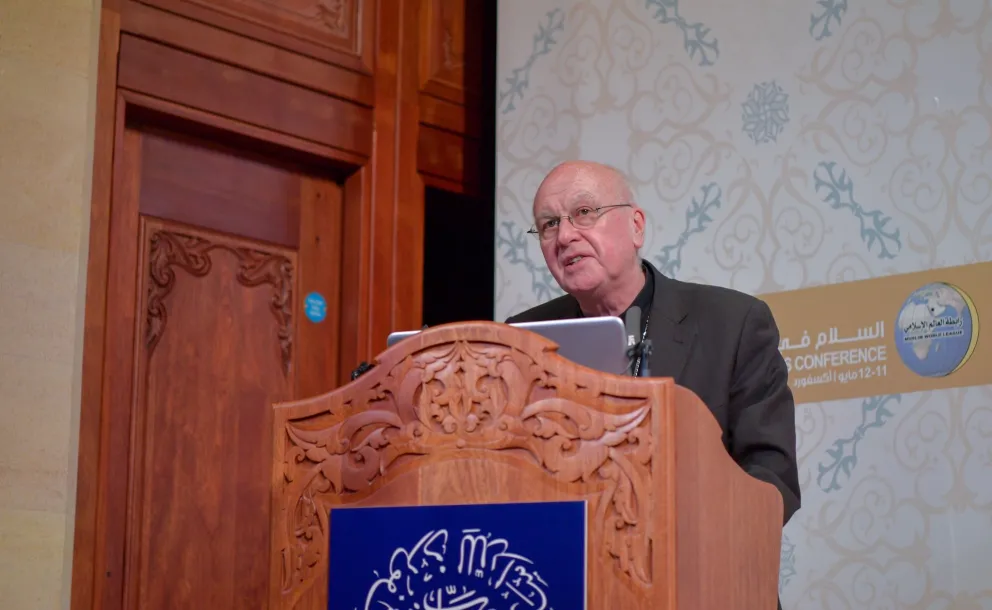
x=710 y=300
x=560 y=308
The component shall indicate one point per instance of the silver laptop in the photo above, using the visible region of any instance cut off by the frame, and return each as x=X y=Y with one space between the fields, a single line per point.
x=598 y=343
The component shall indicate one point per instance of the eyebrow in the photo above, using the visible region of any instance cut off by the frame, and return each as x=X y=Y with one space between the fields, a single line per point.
x=583 y=197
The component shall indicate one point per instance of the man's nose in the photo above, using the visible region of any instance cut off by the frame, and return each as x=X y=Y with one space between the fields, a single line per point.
x=567 y=232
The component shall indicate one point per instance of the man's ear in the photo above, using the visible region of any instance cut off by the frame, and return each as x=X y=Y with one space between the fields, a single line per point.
x=639 y=221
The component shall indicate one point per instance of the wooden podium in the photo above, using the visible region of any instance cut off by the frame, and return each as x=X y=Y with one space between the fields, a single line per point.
x=479 y=413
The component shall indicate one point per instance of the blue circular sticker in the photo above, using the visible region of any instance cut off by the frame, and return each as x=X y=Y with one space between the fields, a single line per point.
x=316 y=307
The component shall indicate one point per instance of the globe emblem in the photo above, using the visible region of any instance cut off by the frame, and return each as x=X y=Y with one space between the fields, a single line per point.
x=936 y=330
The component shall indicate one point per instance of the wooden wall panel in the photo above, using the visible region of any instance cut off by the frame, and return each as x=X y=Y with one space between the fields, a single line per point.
x=449 y=160
x=216 y=353
x=450 y=60
x=207 y=125
x=356 y=277
x=449 y=116
x=337 y=31
x=233 y=49
x=321 y=228
x=206 y=187
x=397 y=190
x=452 y=102
x=226 y=90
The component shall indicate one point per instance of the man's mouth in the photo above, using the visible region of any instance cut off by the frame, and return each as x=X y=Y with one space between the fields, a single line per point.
x=571 y=261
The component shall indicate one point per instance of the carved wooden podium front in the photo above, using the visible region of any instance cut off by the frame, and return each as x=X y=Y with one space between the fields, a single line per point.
x=484 y=413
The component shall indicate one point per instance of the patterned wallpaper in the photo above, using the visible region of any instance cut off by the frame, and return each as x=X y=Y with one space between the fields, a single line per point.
x=777 y=146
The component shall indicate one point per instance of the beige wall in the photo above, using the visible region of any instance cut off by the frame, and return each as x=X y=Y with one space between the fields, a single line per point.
x=47 y=87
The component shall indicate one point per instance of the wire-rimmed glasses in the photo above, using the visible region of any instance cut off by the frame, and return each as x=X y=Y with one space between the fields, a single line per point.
x=583 y=217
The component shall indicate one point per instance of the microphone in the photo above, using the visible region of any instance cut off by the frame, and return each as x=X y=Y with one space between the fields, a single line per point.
x=637 y=350
x=633 y=324
x=365 y=367
x=362 y=368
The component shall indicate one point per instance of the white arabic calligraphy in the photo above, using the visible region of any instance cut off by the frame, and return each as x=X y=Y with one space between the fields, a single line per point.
x=831 y=337
x=420 y=579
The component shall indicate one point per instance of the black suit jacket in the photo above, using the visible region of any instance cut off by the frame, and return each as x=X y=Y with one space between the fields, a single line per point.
x=723 y=345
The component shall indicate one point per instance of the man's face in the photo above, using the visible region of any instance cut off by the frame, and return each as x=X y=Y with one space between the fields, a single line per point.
x=584 y=260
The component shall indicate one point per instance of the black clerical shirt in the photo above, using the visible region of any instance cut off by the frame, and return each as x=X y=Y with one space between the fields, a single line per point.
x=644 y=299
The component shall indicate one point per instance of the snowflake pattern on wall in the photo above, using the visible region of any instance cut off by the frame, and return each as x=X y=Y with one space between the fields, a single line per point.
x=830 y=157
x=765 y=112
x=787 y=563
x=519 y=80
x=697 y=219
x=838 y=192
x=512 y=240
x=827 y=14
x=697 y=39
x=843 y=453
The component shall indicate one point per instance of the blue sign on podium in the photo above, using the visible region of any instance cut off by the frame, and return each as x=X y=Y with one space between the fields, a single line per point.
x=526 y=556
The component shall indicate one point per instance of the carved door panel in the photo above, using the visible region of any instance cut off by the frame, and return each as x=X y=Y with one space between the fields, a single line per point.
x=214 y=352
x=453 y=75
x=221 y=245
x=336 y=31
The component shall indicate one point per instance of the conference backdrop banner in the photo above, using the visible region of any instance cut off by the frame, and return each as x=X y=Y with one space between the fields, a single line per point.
x=915 y=331
x=835 y=159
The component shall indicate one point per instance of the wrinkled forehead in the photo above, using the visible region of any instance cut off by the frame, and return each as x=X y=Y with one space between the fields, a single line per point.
x=557 y=203
x=572 y=185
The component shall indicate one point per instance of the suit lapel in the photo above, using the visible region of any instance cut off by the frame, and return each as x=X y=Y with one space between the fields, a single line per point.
x=671 y=328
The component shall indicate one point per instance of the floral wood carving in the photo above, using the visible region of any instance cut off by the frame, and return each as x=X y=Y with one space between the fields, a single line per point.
x=192 y=254
x=290 y=16
x=464 y=395
x=451 y=23
x=334 y=14
x=452 y=56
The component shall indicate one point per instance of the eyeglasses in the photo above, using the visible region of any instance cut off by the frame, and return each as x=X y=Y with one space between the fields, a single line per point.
x=582 y=218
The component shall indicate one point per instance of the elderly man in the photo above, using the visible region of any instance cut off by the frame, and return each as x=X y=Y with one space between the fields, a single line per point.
x=719 y=343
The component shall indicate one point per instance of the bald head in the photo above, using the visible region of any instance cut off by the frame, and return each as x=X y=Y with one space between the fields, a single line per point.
x=609 y=181
x=595 y=256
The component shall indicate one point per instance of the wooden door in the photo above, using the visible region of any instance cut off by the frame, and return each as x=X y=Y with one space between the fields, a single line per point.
x=213 y=251
x=248 y=154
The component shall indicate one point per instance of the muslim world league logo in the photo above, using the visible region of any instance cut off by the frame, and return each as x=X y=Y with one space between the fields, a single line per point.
x=937 y=330
x=475 y=572
x=514 y=556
